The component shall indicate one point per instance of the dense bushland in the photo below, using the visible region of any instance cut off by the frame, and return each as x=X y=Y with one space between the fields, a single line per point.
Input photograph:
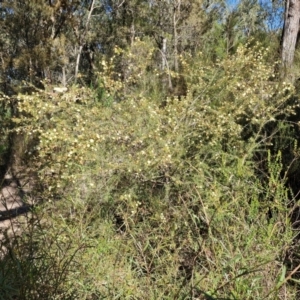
x=150 y=196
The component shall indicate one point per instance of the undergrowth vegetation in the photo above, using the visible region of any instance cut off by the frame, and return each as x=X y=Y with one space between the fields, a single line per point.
x=157 y=197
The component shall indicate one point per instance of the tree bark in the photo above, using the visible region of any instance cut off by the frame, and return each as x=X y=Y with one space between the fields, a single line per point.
x=290 y=33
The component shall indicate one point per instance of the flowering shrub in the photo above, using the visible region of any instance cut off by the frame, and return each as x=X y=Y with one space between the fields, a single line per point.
x=180 y=177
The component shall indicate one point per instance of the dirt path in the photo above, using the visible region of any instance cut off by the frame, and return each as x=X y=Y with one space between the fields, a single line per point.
x=13 y=194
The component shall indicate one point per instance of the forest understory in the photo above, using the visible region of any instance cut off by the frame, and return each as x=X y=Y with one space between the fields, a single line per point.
x=149 y=150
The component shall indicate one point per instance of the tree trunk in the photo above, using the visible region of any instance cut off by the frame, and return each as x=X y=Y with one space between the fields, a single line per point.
x=175 y=34
x=82 y=39
x=290 y=33
x=164 y=53
x=78 y=61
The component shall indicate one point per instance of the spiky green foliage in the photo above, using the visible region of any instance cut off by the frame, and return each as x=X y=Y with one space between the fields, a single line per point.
x=167 y=193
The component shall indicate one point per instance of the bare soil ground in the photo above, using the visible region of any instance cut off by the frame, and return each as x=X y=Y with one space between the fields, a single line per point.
x=15 y=203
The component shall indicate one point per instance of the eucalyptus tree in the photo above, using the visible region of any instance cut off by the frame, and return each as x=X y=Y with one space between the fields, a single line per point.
x=30 y=30
x=290 y=33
